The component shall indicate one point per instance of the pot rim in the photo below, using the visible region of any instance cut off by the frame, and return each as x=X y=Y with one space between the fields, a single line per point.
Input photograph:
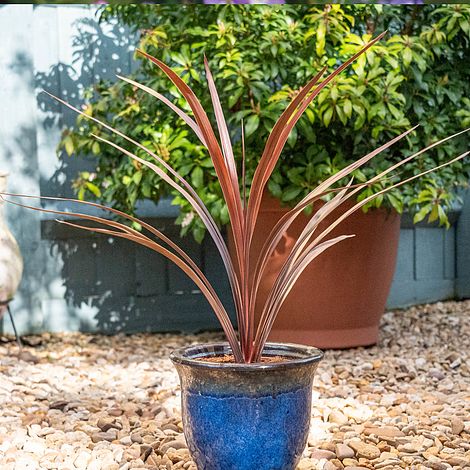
x=299 y=355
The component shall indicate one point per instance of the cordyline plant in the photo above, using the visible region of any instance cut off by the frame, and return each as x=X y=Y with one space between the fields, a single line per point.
x=244 y=278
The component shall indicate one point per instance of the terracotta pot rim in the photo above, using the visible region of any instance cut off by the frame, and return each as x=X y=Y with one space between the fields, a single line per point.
x=271 y=204
x=296 y=355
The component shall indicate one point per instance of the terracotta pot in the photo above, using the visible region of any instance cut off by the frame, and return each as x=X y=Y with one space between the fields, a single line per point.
x=340 y=297
x=11 y=262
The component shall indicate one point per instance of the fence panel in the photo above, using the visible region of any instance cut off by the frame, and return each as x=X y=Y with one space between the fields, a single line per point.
x=74 y=280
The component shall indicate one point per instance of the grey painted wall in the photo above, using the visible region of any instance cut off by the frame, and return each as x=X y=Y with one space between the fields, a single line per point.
x=74 y=280
x=463 y=251
x=426 y=265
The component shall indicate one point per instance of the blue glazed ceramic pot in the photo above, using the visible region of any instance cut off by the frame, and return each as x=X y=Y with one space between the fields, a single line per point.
x=246 y=416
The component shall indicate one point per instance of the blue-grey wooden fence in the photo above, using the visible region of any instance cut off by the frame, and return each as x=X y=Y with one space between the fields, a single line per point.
x=74 y=280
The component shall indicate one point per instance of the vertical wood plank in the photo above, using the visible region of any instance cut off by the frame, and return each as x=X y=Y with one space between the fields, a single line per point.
x=111 y=49
x=151 y=273
x=178 y=282
x=79 y=271
x=406 y=255
x=463 y=250
x=46 y=77
x=449 y=253
x=115 y=267
x=18 y=155
x=429 y=253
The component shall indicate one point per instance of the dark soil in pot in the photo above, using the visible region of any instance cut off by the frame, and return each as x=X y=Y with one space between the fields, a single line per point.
x=229 y=359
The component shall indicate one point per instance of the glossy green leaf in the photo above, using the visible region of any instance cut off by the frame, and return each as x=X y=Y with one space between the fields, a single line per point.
x=197 y=177
x=251 y=125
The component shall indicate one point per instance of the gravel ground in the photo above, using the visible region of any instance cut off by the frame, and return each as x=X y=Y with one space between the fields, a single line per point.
x=75 y=401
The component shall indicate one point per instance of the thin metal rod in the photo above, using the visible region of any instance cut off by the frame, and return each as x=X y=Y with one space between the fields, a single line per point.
x=18 y=339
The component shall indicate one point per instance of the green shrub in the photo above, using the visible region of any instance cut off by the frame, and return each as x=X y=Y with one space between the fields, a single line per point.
x=260 y=55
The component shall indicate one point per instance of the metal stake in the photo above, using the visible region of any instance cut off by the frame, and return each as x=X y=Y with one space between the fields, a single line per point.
x=17 y=336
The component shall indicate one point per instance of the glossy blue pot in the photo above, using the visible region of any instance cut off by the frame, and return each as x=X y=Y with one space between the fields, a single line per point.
x=246 y=416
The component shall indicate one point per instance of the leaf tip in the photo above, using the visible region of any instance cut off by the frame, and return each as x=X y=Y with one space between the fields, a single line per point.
x=47 y=93
x=381 y=35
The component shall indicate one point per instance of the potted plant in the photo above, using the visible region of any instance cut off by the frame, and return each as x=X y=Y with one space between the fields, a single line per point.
x=261 y=56
x=245 y=403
